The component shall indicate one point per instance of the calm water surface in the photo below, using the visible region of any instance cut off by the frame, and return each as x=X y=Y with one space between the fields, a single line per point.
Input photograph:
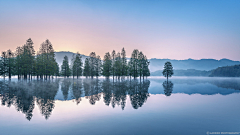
x=184 y=106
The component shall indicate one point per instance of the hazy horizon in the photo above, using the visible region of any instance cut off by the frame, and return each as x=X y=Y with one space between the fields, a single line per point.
x=156 y=58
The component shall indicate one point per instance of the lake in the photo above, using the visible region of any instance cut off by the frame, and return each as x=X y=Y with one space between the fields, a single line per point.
x=181 y=105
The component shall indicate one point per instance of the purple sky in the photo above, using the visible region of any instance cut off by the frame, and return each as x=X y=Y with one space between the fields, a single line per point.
x=161 y=29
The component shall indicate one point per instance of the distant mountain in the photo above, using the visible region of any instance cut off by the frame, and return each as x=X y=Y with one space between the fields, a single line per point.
x=60 y=55
x=181 y=72
x=157 y=64
x=203 y=64
x=227 y=71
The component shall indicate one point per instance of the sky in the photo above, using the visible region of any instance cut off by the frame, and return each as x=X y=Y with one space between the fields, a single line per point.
x=173 y=29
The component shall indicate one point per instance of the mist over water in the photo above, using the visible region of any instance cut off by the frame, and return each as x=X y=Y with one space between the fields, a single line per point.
x=139 y=104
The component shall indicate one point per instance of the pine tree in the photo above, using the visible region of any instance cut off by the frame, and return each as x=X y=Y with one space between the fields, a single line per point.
x=134 y=63
x=118 y=66
x=57 y=70
x=46 y=62
x=141 y=64
x=4 y=64
x=30 y=57
x=27 y=59
x=92 y=64
x=107 y=65
x=65 y=70
x=124 y=63
x=86 y=71
x=77 y=66
x=18 y=61
x=146 y=71
x=113 y=63
x=98 y=66
x=168 y=70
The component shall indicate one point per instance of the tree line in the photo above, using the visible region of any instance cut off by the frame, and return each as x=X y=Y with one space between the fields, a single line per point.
x=26 y=63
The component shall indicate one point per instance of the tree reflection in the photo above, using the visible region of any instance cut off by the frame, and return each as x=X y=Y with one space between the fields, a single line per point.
x=77 y=90
x=107 y=93
x=24 y=94
x=116 y=93
x=65 y=88
x=139 y=93
x=92 y=90
x=45 y=94
x=168 y=88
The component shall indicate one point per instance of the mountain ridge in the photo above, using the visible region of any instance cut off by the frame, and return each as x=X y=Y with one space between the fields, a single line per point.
x=157 y=64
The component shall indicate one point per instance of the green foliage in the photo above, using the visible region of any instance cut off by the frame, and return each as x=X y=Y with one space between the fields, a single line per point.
x=107 y=65
x=124 y=63
x=113 y=62
x=86 y=70
x=4 y=64
x=98 y=67
x=25 y=64
x=134 y=64
x=168 y=69
x=77 y=65
x=65 y=70
x=118 y=65
x=227 y=71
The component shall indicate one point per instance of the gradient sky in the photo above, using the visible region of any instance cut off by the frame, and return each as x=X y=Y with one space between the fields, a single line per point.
x=161 y=29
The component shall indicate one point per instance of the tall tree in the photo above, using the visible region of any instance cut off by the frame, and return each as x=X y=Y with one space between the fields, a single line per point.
x=134 y=63
x=27 y=59
x=118 y=66
x=77 y=65
x=30 y=56
x=113 y=63
x=18 y=61
x=45 y=60
x=168 y=70
x=98 y=66
x=65 y=70
x=124 y=63
x=141 y=63
x=146 y=71
x=107 y=65
x=92 y=64
x=86 y=70
x=4 y=64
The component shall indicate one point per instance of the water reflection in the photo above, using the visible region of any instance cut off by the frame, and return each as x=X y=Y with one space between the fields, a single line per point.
x=24 y=94
x=168 y=88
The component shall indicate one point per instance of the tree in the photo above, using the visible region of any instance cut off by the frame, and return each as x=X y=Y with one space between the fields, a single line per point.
x=113 y=63
x=107 y=65
x=118 y=66
x=18 y=61
x=65 y=70
x=86 y=70
x=29 y=56
x=168 y=87
x=77 y=66
x=141 y=63
x=124 y=63
x=134 y=64
x=56 y=70
x=146 y=71
x=92 y=64
x=168 y=70
x=98 y=66
x=45 y=61
x=4 y=64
